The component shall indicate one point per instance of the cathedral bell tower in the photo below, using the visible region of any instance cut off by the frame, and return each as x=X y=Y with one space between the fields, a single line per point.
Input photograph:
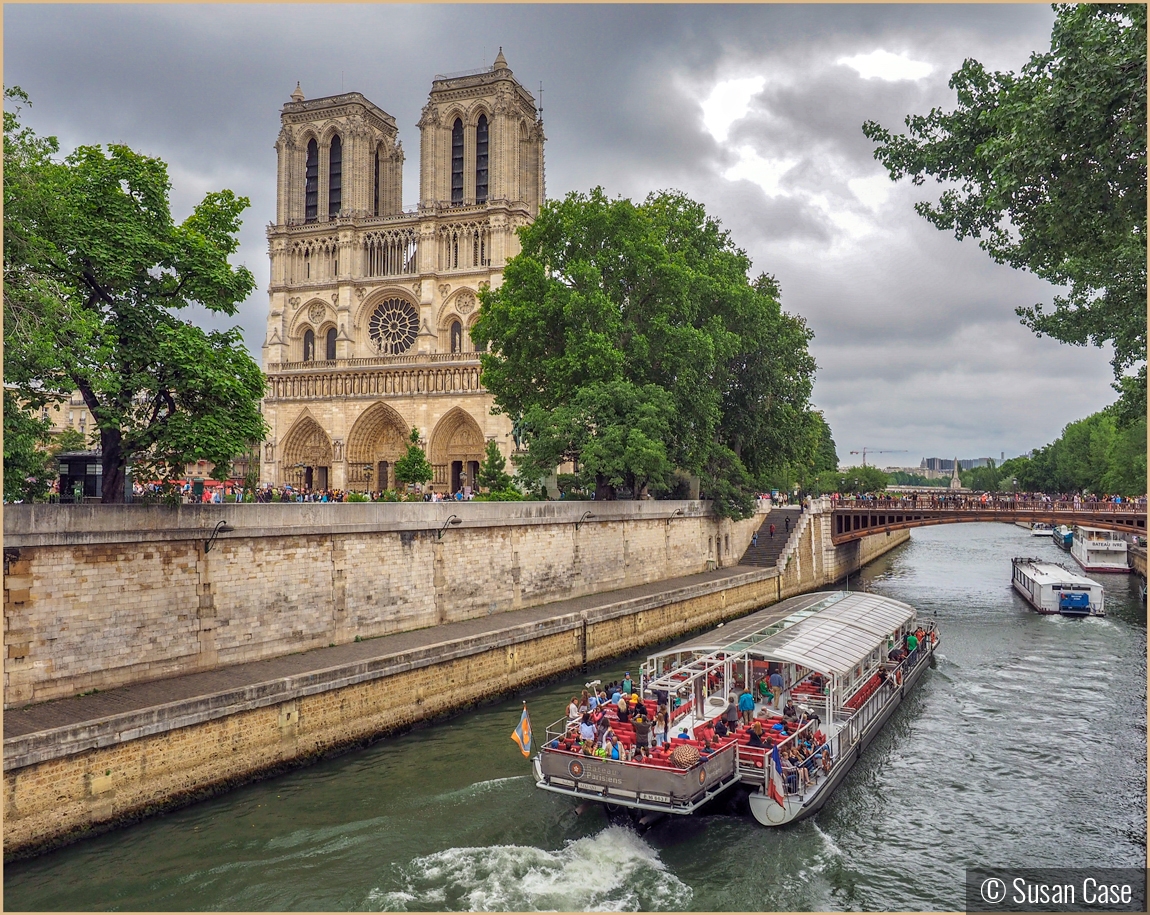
x=481 y=140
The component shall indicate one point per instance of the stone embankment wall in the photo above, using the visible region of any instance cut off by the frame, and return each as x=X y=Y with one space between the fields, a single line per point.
x=102 y=596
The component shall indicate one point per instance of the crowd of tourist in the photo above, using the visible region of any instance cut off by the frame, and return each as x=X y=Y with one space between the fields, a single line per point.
x=614 y=722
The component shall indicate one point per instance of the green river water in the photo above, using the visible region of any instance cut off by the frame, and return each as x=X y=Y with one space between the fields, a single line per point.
x=1025 y=745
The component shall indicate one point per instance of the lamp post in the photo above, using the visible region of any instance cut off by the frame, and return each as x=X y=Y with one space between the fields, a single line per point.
x=367 y=475
x=586 y=516
x=453 y=520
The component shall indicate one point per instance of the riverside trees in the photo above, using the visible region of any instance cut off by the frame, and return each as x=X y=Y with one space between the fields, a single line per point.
x=95 y=269
x=1047 y=168
x=627 y=340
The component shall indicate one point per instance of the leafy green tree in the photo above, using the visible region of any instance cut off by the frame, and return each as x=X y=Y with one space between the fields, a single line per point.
x=68 y=440
x=413 y=467
x=27 y=471
x=1047 y=168
x=616 y=431
x=493 y=475
x=95 y=270
x=631 y=342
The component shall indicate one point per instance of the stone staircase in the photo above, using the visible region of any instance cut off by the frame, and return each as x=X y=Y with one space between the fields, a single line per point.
x=769 y=548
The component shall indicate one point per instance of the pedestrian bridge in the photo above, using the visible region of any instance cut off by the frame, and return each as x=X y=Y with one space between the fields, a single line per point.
x=855 y=520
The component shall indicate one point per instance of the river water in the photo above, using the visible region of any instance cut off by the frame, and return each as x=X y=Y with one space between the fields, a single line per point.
x=1025 y=745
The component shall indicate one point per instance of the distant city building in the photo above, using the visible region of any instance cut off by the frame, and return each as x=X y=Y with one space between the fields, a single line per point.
x=945 y=466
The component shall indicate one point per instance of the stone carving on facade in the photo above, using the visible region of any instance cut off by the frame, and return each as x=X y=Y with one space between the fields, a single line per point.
x=337 y=446
x=335 y=298
x=316 y=311
x=444 y=288
x=293 y=301
x=269 y=451
x=465 y=302
x=417 y=287
x=429 y=117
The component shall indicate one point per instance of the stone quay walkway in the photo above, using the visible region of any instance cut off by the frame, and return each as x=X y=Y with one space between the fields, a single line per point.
x=60 y=727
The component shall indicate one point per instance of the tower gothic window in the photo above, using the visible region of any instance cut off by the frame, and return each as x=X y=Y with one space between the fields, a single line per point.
x=308 y=346
x=334 y=178
x=330 y=354
x=481 y=160
x=456 y=337
x=457 y=162
x=393 y=326
x=377 y=182
x=311 y=181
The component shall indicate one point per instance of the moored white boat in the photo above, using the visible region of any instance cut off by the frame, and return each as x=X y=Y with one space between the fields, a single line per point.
x=844 y=661
x=1063 y=536
x=1050 y=587
x=1099 y=550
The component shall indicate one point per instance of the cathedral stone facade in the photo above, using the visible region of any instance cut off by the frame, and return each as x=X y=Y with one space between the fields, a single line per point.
x=371 y=304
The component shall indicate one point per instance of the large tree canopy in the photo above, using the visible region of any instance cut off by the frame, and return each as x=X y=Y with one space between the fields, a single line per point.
x=94 y=270
x=1048 y=169
x=627 y=339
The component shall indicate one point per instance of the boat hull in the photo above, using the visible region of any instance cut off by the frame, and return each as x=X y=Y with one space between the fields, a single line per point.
x=767 y=812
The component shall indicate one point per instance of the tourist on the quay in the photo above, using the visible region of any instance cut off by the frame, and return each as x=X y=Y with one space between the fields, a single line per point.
x=787 y=524
x=755 y=538
x=746 y=706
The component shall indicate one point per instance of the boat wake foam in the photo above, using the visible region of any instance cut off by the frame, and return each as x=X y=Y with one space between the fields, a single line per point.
x=614 y=870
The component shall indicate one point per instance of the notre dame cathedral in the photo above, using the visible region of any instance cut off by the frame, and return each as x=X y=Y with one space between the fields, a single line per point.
x=371 y=304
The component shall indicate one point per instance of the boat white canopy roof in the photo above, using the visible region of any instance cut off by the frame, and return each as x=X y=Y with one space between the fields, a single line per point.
x=837 y=639
x=827 y=632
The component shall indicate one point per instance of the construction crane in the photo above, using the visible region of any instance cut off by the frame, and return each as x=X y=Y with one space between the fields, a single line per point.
x=865 y=451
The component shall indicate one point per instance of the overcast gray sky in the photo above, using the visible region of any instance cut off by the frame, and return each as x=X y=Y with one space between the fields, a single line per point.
x=753 y=110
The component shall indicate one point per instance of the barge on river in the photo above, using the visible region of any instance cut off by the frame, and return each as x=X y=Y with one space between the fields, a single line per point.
x=847 y=660
x=1099 y=550
x=1050 y=587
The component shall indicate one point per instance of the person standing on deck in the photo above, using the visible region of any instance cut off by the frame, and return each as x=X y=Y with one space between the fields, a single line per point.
x=642 y=730
x=628 y=685
x=731 y=715
x=746 y=705
x=777 y=686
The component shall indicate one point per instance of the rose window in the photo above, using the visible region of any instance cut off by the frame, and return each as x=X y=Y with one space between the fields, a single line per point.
x=393 y=326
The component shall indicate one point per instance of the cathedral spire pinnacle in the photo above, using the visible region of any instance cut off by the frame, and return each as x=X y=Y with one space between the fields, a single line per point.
x=297 y=96
x=500 y=60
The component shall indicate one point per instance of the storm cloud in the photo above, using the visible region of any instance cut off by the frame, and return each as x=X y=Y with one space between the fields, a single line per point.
x=753 y=110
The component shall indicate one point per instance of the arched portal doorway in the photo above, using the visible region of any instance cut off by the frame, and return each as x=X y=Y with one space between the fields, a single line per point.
x=378 y=439
x=306 y=456
x=456 y=451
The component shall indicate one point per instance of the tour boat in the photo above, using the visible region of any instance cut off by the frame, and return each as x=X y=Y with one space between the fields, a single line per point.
x=1038 y=529
x=1099 y=550
x=1052 y=588
x=1063 y=536
x=834 y=652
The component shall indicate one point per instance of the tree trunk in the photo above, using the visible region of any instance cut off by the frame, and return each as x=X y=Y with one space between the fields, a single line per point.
x=604 y=491
x=111 y=444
